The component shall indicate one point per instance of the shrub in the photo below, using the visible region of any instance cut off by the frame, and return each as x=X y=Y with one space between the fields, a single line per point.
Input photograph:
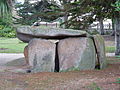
x=6 y=28
x=7 y=31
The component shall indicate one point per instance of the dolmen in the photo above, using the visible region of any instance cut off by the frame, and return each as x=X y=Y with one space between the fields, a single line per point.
x=57 y=50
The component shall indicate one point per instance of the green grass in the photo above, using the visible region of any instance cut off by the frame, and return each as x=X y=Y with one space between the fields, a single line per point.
x=94 y=86
x=110 y=49
x=11 y=45
x=118 y=80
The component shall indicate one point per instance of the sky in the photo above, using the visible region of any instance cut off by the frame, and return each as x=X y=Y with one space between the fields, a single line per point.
x=31 y=0
x=23 y=1
x=20 y=0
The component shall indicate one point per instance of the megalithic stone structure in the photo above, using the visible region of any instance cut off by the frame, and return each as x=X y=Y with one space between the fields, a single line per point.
x=53 y=49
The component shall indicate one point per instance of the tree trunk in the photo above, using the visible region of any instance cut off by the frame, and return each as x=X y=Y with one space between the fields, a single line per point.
x=113 y=28
x=117 y=35
x=65 y=17
x=101 y=26
x=65 y=20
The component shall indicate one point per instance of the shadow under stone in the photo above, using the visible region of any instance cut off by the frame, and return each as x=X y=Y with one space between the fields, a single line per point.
x=16 y=62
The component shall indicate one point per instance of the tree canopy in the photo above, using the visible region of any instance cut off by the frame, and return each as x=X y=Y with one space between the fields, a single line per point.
x=5 y=7
x=78 y=14
x=31 y=12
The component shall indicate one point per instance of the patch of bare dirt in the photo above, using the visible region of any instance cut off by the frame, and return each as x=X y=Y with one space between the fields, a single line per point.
x=74 y=80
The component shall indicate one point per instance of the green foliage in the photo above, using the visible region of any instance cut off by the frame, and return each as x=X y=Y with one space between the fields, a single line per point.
x=82 y=13
x=7 y=31
x=6 y=28
x=5 y=9
x=6 y=21
x=31 y=12
x=85 y=12
x=116 y=5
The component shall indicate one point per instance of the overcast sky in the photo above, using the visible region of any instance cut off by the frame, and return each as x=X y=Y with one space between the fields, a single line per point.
x=20 y=0
x=32 y=1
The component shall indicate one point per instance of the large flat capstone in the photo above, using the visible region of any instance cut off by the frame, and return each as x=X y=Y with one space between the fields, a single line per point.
x=41 y=55
x=27 y=33
x=76 y=53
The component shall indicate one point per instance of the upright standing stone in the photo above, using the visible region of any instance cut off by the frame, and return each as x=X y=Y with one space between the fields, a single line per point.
x=100 y=49
x=76 y=53
x=41 y=55
x=26 y=54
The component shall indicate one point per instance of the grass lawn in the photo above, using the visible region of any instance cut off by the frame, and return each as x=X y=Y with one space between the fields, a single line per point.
x=110 y=49
x=11 y=45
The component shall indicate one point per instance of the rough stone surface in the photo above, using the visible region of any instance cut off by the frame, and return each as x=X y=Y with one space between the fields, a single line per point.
x=26 y=54
x=41 y=55
x=100 y=47
x=27 y=33
x=76 y=53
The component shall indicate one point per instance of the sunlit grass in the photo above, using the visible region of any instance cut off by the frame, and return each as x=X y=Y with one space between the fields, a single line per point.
x=110 y=49
x=11 y=45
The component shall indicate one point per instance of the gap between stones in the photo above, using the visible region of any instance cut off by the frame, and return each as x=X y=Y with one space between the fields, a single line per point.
x=56 y=59
x=97 y=66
